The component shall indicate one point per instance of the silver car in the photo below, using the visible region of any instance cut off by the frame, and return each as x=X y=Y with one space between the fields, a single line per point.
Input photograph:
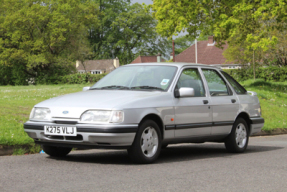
x=145 y=107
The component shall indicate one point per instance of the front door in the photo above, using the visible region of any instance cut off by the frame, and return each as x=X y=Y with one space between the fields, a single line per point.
x=193 y=115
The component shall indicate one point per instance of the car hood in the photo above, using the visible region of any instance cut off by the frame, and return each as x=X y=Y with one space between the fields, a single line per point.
x=76 y=103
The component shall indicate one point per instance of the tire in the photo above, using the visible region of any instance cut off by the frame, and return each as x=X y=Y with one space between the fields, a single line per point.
x=147 y=143
x=237 y=141
x=56 y=151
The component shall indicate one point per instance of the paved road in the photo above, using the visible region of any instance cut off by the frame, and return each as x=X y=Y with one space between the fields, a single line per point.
x=193 y=167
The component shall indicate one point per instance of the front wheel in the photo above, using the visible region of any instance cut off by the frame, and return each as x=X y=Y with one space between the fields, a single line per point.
x=237 y=140
x=56 y=151
x=147 y=144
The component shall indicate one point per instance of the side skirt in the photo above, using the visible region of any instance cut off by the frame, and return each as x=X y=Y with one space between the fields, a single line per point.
x=213 y=138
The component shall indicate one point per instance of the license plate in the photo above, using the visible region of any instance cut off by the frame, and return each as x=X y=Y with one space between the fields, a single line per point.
x=60 y=130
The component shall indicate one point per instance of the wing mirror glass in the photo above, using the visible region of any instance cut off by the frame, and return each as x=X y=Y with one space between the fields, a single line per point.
x=184 y=92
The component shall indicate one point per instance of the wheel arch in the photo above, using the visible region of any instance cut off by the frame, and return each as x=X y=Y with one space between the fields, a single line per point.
x=157 y=120
x=246 y=117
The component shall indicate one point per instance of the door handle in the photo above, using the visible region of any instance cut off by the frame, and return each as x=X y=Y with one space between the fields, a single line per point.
x=233 y=100
x=205 y=101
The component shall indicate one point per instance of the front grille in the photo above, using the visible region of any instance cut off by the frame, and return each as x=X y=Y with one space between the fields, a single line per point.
x=75 y=138
x=66 y=122
x=70 y=138
x=55 y=137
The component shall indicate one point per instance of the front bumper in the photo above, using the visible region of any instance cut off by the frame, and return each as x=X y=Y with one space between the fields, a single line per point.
x=88 y=135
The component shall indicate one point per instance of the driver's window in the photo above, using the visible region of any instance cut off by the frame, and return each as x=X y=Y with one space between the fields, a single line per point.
x=216 y=84
x=191 y=78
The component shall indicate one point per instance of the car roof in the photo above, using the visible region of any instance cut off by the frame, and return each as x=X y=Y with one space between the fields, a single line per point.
x=176 y=64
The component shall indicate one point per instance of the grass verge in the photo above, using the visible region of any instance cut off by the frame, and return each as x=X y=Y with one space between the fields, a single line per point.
x=17 y=101
x=27 y=149
x=273 y=101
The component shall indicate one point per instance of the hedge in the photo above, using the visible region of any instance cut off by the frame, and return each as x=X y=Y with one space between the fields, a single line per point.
x=80 y=78
x=266 y=73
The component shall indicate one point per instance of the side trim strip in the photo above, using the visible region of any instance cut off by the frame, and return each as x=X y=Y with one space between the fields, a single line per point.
x=169 y=127
x=198 y=125
x=222 y=123
x=193 y=125
x=110 y=130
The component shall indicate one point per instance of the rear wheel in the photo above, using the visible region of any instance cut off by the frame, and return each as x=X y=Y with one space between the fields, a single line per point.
x=56 y=151
x=237 y=140
x=147 y=144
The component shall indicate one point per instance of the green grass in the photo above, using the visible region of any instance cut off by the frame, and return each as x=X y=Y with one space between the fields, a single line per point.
x=273 y=101
x=16 y=103
x=27 y=149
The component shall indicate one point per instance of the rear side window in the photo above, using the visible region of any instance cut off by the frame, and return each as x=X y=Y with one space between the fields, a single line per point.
x=216 y=84
x=236 y=86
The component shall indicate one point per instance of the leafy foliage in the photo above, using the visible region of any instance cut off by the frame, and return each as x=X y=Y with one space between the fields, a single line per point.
x=277 y=55
x=223 y=18
x=268 y=74
x=80 y=78
x=40 y=38
x=251 y=28
x=125 y=31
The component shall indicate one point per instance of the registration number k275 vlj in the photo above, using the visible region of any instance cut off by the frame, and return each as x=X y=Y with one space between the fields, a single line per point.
x=60 y=130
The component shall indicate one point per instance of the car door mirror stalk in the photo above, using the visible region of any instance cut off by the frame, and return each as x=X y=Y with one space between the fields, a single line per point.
x=176 y=93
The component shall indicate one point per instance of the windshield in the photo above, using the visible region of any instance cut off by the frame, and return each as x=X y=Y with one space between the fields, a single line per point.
x=138 y=77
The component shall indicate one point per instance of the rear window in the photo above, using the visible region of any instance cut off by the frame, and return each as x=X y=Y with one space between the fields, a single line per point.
x=239 y=89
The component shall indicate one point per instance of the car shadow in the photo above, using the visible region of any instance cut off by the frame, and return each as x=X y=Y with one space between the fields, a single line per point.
x=204 y=151
x=173 y=153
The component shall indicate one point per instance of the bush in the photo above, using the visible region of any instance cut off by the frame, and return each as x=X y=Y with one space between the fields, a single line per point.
x=19 y=75
x=266 y=73
x=81 y=78
x=13 y=75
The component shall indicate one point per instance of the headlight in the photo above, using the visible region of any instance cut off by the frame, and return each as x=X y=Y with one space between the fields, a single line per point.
x=40 y=114
x=117 y=117
x=102 y=116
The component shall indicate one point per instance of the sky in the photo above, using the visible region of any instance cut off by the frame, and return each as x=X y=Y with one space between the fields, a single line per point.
x=142 y=1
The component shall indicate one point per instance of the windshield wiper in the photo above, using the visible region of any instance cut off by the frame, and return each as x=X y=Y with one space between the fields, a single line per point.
x=147 y=87
x=112 y=87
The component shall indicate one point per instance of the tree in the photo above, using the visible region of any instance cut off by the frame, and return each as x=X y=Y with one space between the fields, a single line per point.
x=223 y=18
x=277 y=55
x=39 y=38
x=102 y=36
x=125 y=31
x=138 y=35
x=236 y=22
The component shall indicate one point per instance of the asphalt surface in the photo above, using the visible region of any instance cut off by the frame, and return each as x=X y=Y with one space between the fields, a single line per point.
x=188 y=167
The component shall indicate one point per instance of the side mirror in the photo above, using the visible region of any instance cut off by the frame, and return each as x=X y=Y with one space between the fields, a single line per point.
x=184 y=92
x=86 y=88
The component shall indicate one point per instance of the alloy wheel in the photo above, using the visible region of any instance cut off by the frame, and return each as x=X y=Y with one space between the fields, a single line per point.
x=241 y=135
x=149 y=142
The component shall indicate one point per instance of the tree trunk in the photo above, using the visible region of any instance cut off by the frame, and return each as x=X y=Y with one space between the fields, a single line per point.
x=253 y=66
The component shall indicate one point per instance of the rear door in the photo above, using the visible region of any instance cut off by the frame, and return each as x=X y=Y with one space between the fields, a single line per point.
x=224 y=102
